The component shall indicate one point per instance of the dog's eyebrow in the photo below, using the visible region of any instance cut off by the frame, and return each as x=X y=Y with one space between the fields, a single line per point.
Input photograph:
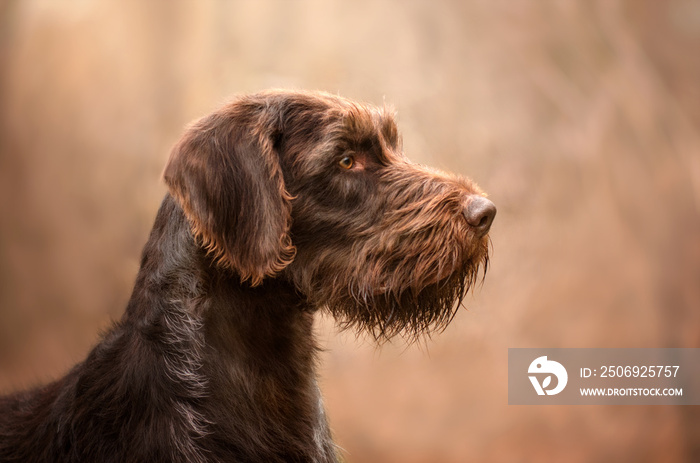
x=372 y=145
x=371 y=131
x=389 y=131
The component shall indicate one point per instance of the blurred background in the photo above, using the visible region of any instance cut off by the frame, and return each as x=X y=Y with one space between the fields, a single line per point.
x=581 y=119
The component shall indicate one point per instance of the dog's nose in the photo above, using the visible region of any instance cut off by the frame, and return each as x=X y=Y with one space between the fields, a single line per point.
x=480 y=213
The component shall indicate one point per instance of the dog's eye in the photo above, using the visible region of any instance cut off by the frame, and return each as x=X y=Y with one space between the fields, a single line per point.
x=347 y=162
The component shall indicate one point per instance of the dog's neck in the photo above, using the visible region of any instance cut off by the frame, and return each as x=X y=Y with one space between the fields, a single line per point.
x=244 y=355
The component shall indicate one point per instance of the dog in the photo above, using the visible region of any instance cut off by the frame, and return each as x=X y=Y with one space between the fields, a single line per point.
x=280 y=204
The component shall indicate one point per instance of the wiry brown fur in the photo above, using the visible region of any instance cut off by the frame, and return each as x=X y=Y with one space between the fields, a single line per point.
x=214 y=359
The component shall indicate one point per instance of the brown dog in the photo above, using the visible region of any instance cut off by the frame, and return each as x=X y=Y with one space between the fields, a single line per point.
x=281 y=204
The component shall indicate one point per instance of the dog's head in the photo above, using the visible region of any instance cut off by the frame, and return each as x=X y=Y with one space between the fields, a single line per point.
x=315 y=189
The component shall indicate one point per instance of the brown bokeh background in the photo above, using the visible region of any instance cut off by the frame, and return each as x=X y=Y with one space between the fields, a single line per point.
x=580 y=118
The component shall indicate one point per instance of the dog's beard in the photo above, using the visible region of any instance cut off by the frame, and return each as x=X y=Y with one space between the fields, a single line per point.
x=417 y=303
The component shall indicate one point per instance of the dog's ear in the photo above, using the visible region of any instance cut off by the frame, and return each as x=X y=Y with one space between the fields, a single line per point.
x=226 y=176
